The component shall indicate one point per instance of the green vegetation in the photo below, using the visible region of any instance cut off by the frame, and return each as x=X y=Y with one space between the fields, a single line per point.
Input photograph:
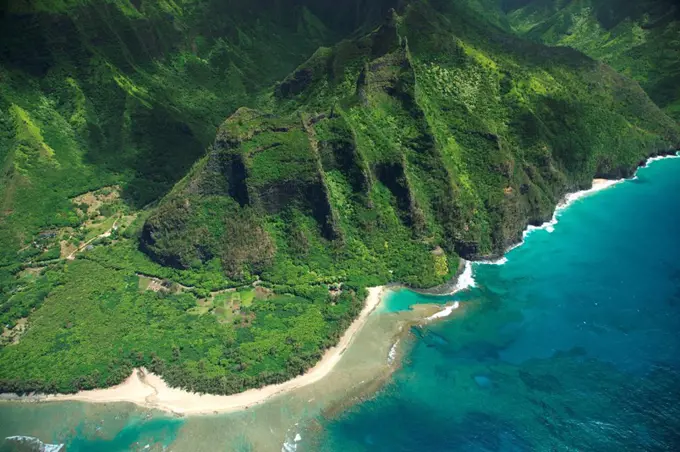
x=130 y=93
x=231 y=306
x=95 y=326
x=640 y=39
x=427 y=134
x=436 y=130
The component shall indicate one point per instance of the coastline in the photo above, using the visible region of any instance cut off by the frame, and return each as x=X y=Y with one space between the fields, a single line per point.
x=599 y=183
x=464 y=278
x=150 y=391
x=450 y=286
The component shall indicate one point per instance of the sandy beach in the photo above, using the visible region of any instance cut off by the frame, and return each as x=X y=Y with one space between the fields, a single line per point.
x=604 y=183
x=149 y=390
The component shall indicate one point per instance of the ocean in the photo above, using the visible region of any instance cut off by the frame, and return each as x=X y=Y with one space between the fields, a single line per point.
x=572 y=342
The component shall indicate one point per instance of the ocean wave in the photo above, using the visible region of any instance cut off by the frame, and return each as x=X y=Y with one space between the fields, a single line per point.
x=500 y=261
x=290 y=445
x=602 y=184
x=569 y=199
x=662 y=157
x=466 y=280
x=444 y=312
x=38 y=445
x=656 y=159
x=392 y=355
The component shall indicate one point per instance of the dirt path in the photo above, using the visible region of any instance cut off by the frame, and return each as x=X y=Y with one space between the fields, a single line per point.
x=100 y=236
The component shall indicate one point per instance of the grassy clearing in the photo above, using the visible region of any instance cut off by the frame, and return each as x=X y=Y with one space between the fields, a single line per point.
x=230 y=306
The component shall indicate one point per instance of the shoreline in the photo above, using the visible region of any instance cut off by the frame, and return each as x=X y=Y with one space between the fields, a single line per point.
x=599 y=183
x=150 y=391
x=464 y=279
x=450 y=286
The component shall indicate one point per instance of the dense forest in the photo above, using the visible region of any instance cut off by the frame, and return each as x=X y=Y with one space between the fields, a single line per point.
x=206 y=188
x=639 y=39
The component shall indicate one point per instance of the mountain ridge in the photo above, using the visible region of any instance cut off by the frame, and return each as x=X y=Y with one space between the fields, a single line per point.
x=385 y=152
x=638 y=39
x=313 y=83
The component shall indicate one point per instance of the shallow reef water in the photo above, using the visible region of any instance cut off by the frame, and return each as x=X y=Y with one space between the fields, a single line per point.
x=572 y=343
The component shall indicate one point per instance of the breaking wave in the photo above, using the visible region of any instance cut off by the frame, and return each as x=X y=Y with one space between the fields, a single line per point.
x=500 y=261
x=291 y=444
x=392 y=355
x=35 y=444
x=444 y=312
x=466 y=280
x=570 y=198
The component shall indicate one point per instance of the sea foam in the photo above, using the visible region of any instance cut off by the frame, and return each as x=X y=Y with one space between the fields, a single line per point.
x=30 y=440
x=392 y=355
x=466 y=280
x=570 y=198
x=290 y=445
x=661 y=157
x=445 y=312
x=500 y=261
x=549 y=226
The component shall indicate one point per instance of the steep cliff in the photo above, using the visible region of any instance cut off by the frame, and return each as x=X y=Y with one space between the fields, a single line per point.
x=436 y=129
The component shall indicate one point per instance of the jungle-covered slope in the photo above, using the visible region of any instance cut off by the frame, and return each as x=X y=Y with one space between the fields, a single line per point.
x=640 y=39
x=104 y=106
x=96 y=93
x=437 y=131
x=392 y=143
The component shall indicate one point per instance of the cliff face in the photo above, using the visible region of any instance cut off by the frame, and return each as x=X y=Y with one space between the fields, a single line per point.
x=436 y=129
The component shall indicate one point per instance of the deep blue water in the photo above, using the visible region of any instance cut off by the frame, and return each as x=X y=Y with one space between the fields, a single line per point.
x=572 y=344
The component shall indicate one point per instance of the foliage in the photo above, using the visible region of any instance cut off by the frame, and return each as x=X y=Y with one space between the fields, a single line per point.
x=639 y=39
x=95 y=326
x=101 y=93
x=451 y=133
x=436 y=134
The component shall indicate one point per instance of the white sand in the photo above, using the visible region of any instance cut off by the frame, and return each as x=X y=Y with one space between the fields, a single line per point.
x=149 y=390
x=599 y=184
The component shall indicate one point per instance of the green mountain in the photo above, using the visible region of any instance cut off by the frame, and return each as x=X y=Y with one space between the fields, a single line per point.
x=435 y=130
x=640 y=39
x=131 y=93
x=348 y=145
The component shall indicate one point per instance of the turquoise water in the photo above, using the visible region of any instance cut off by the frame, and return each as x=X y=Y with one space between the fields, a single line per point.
x=402 y=300
x=572 y=344
x=82 y=427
